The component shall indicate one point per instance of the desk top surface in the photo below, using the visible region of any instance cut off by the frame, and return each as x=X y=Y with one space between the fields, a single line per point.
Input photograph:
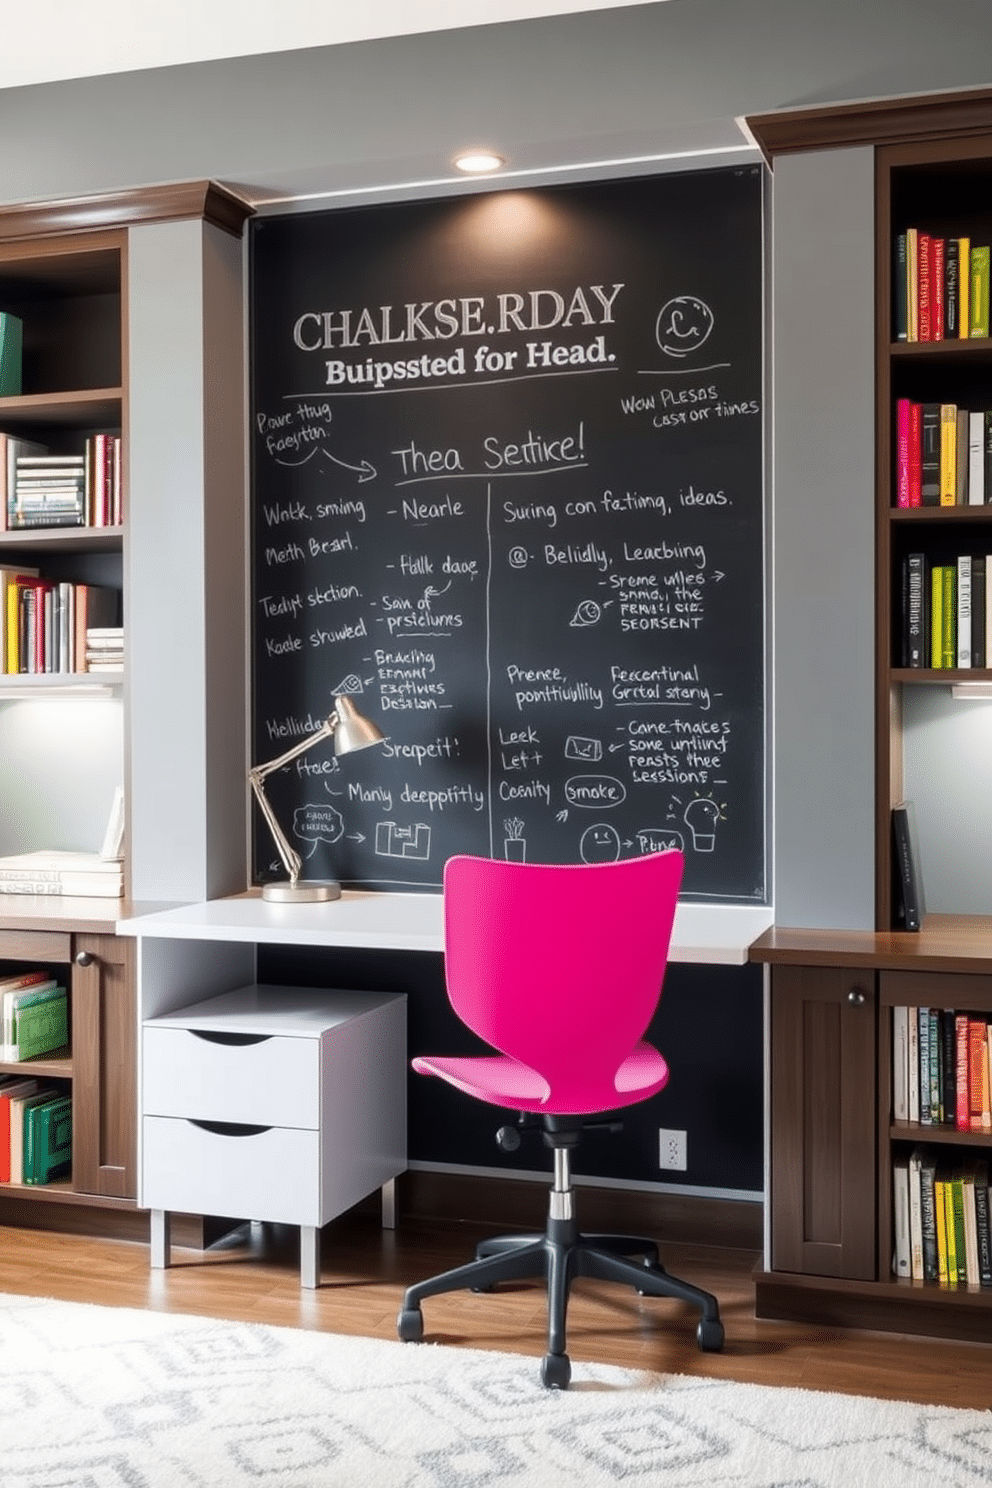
x=412 y=922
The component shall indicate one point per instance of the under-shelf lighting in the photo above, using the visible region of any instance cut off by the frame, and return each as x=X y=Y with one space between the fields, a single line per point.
x=972 y=691
x=67 y=689
x=478 y=162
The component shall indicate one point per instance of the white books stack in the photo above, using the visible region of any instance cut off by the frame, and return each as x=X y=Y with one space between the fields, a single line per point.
x=76 y=874
x=105 y=648
x=49 y=491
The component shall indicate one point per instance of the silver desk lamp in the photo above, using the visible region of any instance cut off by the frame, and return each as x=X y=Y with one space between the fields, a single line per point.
x=350 y=731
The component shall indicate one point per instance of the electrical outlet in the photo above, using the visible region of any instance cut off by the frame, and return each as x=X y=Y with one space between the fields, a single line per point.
x=672 y=1149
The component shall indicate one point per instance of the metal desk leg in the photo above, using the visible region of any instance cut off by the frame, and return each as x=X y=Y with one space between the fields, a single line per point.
x=309 y=1257
x=160 y=1237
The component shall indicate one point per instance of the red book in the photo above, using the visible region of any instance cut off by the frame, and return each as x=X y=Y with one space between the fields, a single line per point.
x=15 y=1087
x=962 y=1113
x=902 y=451
x=978 y=1108
x=938 y=254
x=915 y=454
x=924 y=289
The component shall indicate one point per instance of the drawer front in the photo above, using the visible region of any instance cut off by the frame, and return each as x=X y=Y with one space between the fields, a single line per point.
x=270 y=1174
x=273 y=1082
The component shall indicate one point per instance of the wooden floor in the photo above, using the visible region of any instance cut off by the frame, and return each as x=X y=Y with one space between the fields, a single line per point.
x=252 y=1275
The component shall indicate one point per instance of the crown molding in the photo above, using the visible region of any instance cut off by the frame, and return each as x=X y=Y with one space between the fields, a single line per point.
x=116 y=209
x=884 y=121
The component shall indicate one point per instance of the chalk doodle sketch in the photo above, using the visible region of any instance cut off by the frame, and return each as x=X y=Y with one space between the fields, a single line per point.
x=392 y=841
x=600 y=844
x=313 y=824
x=683 y=324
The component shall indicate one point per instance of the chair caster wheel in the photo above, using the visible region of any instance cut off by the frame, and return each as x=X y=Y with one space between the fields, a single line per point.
x=410 y=1325
x=556 y=1371
x=709 y=1335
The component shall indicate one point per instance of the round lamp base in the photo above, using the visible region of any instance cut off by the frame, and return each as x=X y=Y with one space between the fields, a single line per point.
x=301 y=893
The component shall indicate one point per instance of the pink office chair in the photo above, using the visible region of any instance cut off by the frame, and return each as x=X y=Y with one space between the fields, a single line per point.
x=560 y=969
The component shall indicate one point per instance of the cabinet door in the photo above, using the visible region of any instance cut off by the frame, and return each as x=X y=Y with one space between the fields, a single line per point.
x=104 y=1060
x=823 y=1122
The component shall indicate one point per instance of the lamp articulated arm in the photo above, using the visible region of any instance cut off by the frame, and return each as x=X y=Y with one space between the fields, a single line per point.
x=291 y=859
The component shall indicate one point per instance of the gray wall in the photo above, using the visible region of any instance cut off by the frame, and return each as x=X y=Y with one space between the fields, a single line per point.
x=823 y=268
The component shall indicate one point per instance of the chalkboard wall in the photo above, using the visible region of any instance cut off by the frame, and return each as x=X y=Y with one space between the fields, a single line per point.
x=507 y=492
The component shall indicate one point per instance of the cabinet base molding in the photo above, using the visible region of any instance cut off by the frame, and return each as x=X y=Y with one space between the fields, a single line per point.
x=962 y=1313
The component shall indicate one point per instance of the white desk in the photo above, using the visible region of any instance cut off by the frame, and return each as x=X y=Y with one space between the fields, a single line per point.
x=714 y=934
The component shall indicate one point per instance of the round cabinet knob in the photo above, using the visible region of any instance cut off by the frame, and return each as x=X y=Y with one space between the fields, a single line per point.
x=855 y=997
x=84 y=958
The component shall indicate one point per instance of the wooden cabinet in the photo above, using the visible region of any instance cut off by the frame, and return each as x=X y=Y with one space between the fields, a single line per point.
x=98 y=1066
x=104 y=1155
x=833 y=1136
x=822 y=1121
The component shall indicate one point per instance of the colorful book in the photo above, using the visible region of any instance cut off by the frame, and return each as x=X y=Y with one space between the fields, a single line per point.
x=928 y=1211
x=982 y=1225
x=940 y=1216
x=901 y=1259
x=948 y=454
x=964 y=288
x=915 y=1216
x=11 y=352
x=952 y=290
x=900 y=290
x=916 y=611
x=962 y=636
x=10 y=1086
x=902 y=451
x=923 y=1037
x=40 y=1028
x=938 y=256
x=48 y=1140
x=962 y=1110
x=924 y=287
x=930 y=454
x=978 y=313
x=912 y=284
x=900 y=1064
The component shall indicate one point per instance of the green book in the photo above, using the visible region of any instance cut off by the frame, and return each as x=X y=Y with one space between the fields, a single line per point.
x=41 y=1027
x=978 y=309
x=50 y=1138
x=11 y=341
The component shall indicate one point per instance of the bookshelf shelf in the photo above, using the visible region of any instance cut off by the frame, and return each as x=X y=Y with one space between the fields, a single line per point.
x=54 y=1066
x=91 y=408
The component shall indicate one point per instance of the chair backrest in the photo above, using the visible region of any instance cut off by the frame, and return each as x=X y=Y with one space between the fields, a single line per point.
x=560 y=966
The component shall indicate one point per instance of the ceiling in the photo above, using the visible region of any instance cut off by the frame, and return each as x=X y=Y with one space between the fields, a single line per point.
x=54 y=39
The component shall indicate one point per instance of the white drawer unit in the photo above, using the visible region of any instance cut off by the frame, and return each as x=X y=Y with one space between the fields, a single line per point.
x=285 y=1104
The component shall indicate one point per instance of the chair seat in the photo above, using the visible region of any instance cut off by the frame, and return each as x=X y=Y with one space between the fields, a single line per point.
x=502 y=1081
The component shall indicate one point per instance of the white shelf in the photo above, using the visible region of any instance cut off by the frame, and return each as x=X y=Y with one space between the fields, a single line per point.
x=712 y=934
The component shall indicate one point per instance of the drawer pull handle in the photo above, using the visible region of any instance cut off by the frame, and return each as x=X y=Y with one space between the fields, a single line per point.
x=230 y=1128
x=855 y=997
x=235 y=1040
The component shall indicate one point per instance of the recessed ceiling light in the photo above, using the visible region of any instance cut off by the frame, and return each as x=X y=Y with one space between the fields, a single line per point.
x=477 y=162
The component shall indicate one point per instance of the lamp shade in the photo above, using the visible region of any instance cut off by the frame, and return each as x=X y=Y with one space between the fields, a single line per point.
x=352 y=730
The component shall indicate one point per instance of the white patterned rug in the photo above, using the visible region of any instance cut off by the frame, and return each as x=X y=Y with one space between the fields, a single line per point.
x=99 y=1397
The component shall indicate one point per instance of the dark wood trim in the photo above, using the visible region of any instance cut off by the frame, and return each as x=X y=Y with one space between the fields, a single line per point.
x=521 y=1204
x=947 y=943
x=877 y=122
x=891 y=1306
x=203 y=199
